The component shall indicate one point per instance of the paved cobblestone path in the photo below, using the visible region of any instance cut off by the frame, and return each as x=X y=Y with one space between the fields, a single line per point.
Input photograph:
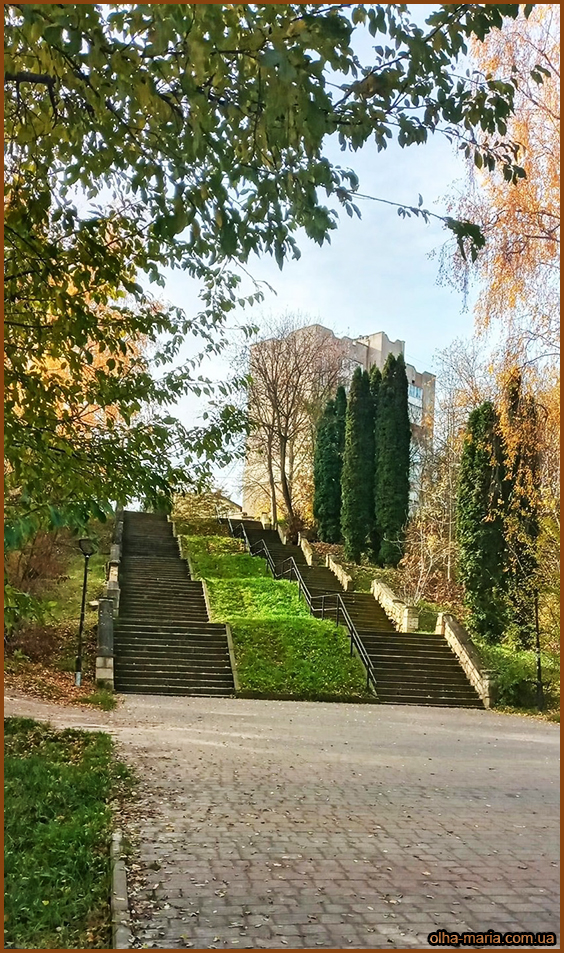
x=266 y=824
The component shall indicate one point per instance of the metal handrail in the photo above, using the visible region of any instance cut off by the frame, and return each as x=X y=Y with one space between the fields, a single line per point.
x=238 y=530
x=263 y=548
x=260 y=547
x=340 y=609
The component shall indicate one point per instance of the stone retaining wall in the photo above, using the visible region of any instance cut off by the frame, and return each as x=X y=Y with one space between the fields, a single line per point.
x=468 y=656
x=306 y=549
x=404 y=616
x=339 y=572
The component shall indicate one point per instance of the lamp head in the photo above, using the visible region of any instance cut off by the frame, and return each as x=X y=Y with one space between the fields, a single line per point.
x=87 y=547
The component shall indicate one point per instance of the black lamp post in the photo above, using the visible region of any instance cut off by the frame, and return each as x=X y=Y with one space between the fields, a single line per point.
x=87 y=549
x=540 y=693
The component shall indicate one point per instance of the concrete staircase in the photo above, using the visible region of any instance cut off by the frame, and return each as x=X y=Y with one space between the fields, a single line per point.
x=164 y=643
x=410 y=668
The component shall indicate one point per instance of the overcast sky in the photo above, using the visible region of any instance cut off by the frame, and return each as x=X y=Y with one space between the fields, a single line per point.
x=376 y=275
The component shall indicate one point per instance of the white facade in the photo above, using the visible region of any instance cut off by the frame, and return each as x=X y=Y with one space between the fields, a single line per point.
x=365 y=352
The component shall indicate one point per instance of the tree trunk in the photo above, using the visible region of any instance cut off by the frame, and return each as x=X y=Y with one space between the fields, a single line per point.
x=286 y=494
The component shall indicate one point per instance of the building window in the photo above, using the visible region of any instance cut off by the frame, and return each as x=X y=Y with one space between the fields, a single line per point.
x=416 y=393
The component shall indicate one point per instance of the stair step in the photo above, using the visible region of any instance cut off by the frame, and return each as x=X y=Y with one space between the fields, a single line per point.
x=165 y=644
x=170 y=679
x=197 y=628
x=154 y=668
x=433 y=686
x=146 y=643
x=178 y=607
x=189 y=690
x=426 y=701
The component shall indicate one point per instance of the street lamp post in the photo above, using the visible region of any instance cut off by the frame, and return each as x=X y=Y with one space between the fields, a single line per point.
x=87 y=549
x=540 y=696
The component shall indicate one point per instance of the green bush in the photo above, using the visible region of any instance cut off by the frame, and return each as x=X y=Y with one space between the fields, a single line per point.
x=515 y=676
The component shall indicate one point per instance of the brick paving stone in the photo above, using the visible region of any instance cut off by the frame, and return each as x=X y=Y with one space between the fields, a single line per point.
x=334 y=826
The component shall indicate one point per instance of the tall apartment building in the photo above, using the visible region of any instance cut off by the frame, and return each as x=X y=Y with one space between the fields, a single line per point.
x=365 y=352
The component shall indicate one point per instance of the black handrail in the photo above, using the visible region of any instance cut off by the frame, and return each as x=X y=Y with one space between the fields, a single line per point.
x=340 y=609
x=239 y=531
x=260 y=548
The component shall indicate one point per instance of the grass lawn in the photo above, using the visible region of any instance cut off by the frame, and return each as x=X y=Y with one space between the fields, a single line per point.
x=212 y=557
x=58 y=785
x=279 y=647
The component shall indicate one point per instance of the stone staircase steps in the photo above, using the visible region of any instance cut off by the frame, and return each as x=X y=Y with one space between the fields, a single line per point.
x=208 y=630
x=164 y=641
x=410 y=668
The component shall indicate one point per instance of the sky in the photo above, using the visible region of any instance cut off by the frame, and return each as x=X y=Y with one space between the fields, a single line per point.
x=377 y=273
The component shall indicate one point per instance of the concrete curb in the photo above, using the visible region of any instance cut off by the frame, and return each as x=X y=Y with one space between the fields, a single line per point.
x=121 y=930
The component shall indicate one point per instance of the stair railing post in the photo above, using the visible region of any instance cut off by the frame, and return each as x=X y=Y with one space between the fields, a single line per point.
x=105 y=650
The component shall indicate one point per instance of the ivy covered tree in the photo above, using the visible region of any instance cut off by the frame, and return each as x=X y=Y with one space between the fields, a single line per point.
x=392 y=438
x=482 y=494
x=358 y=468
x=327 y=467
x=520 y=426
x=146 y=136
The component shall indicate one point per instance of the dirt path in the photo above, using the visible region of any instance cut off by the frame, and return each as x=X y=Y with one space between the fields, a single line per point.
x=269 y=824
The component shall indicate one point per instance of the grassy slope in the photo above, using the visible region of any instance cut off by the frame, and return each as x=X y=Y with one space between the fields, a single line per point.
x=58 y=785
x=41 y=659
x=279 y=647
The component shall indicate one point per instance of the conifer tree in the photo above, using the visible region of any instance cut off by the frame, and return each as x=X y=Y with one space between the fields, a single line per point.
x=341 y=413
x=375 y=534
x=358 y=464
x=327 y=467
x=392 y=435
x=480 y=524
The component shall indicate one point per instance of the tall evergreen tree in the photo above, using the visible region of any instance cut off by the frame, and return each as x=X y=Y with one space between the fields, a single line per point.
x=392 y=436
x=327 y=465
x=480 y=523
x=358 y=468
x=341 y=413
x=375 y=535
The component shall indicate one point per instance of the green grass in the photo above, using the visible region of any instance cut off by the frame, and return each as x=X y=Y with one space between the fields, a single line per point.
x=64 y=598
x=58 y=785
x=279 y=647
x=102 y=698
x=261 y=598
x=218 y=557
x=307 y=658
x=428 y=613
